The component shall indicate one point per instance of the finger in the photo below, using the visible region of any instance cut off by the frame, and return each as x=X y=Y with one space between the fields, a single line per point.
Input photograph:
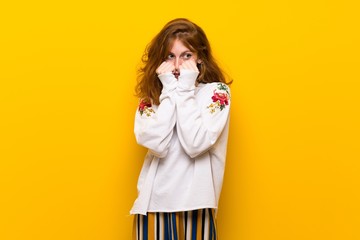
x=165 y=67
x=160 y=68
x=190 y=65
x=184 y=65
x=169 y=67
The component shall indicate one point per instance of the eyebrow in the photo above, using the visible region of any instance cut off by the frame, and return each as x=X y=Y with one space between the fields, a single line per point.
x=188 y=51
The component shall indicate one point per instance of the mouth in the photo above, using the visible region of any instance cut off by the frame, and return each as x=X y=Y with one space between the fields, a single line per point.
x=176 y=74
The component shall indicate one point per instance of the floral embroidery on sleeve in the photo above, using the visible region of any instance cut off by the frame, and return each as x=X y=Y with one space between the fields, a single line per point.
x=220 y=98
x=145 y=107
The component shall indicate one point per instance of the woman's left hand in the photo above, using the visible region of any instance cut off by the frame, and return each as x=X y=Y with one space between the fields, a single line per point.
x=188 y=74
x=189 y=65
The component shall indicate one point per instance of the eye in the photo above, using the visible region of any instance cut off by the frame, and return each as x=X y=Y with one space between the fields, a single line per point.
x=187 y=56
x=170 y=56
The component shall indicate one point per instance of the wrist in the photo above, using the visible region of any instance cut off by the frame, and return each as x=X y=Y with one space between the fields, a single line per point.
x=168 y=81
x=187 y=79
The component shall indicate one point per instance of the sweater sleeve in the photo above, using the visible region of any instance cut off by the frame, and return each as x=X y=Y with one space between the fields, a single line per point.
x=201 y=119
x=154 y=124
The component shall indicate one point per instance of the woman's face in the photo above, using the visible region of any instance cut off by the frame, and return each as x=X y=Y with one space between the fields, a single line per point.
x=178 y=54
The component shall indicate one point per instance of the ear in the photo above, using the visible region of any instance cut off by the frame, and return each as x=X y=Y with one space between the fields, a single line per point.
x=199 y=61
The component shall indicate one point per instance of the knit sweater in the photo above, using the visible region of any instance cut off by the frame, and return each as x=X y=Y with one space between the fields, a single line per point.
x=186 y=136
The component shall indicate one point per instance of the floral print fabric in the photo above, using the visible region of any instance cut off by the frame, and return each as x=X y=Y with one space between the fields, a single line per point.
x=145 y=107
x=220 y=98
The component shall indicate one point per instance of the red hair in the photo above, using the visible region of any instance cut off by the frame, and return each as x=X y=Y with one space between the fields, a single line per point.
x=193 y=37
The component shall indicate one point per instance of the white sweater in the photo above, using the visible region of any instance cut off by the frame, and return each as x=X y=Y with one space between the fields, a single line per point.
x=186 y=136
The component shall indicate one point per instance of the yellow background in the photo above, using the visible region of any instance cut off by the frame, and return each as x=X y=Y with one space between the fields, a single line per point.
x=68 y=158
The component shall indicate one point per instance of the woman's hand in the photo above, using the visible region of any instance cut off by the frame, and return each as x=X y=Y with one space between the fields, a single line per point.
x=166 y=76
x=165 y=67
x=188 y=74
x=189 y=65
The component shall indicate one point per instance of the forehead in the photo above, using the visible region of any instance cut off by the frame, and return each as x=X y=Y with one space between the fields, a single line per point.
x=178 y=46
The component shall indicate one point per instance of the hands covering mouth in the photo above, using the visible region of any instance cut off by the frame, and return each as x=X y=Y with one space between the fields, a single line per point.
x=168 y=66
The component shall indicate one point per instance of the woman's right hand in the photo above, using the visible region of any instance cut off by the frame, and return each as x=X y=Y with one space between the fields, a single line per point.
x=166 y=76
x=165 y=67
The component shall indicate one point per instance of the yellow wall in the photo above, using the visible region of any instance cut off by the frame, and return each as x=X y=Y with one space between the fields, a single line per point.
x=68 y=158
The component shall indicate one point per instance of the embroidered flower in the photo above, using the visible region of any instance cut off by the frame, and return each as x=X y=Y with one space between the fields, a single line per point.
x=145 y=107
x=220 y=98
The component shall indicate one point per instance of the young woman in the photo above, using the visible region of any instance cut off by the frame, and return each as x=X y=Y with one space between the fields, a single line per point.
x=183 y=120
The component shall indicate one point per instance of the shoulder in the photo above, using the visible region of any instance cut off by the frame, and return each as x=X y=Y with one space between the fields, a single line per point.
x=217 y=89
x=214 y=86
x=215 y=96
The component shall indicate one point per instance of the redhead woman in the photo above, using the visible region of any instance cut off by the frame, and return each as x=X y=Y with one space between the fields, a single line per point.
x=183 y=121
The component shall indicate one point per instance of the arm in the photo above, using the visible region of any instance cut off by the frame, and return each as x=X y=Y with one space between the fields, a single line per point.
x=201 y=120
x=154 y=124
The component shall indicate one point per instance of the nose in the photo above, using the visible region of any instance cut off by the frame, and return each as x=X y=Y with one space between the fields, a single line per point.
x=178 y=62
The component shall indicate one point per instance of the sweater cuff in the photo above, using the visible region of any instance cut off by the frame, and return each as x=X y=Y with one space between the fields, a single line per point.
x=168 y=81
x=187 y=80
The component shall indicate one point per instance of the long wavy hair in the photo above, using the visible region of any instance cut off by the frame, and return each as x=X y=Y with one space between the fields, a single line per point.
x=193 y=37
